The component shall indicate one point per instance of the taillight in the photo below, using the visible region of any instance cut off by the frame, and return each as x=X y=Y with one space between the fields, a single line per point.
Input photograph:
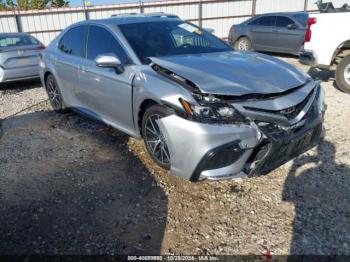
x=311 y=21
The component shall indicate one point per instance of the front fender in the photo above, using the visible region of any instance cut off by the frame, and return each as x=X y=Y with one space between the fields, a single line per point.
x=150 y=85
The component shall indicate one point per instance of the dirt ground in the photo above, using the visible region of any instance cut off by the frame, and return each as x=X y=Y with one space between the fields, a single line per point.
x=69 y=185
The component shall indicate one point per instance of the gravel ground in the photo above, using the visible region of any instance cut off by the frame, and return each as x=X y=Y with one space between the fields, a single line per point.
x=69 y=185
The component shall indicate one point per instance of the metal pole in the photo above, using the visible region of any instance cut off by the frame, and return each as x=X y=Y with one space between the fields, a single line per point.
x=141 y=7
x=254 y=7
x=306 y=5
x=200 y=13
x=87 y=17
x=18 y=20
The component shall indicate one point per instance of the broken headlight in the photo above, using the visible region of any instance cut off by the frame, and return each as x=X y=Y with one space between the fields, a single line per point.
x=213 y=112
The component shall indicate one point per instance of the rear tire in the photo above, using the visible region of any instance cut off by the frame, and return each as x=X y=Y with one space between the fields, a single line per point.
x=342 y=74
x=154 y=139
x=243 y=44
x=54 y=94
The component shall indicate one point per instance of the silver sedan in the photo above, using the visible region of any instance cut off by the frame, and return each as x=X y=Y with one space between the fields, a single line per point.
x=203 y=110
x=19 y=57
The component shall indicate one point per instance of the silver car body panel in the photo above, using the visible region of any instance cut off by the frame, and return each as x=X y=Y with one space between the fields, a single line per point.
x=116 y=99
x=19 y=62
x=189 y=141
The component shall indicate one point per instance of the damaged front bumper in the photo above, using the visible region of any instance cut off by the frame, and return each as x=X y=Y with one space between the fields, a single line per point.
x=201 y=151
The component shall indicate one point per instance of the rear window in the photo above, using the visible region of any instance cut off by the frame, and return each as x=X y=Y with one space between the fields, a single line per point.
x=302 y=18
x=283 y=21
x=20 y=40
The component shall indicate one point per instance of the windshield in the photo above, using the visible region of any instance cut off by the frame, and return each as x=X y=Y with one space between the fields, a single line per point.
x=155 y=39
x=17 y=40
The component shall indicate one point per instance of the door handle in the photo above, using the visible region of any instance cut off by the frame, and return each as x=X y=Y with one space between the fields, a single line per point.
x=84 y=69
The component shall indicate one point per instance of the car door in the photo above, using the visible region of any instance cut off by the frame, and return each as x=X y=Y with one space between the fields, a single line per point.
x=289 y=35
x=261 y=31
x=67 y=61
x=106 y=94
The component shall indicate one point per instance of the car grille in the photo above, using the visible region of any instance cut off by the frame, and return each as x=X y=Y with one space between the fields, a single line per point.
x=275 y=132
x=290 y=112
x=272 y=154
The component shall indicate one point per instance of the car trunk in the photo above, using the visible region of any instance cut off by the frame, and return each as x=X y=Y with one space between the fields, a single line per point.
x=20 y=56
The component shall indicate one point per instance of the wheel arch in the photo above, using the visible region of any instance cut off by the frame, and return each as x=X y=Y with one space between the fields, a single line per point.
x=244 y=35
x=151 y=88
x=145 y=104
x=46 y=74
x=342 y=49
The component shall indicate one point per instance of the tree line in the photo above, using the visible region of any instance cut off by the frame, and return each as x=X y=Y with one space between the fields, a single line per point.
x=31 y=4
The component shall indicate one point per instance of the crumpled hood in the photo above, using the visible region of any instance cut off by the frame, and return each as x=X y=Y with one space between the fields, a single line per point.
x=234 y=73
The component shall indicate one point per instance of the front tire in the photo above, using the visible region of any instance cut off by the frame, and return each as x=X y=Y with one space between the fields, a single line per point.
x=153 y=137
x=342 y=74
x=243 y=44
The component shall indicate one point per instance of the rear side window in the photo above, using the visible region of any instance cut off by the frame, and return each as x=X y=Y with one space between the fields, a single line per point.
x=283 y=21
x=264 y=21
x=267 y=21
x=17 y=40
x=73 y=41
x=101 y=41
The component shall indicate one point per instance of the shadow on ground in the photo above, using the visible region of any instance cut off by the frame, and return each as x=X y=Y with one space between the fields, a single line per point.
x=321 y=224
x=70 y=186
x=20 y=86
x=324 y=75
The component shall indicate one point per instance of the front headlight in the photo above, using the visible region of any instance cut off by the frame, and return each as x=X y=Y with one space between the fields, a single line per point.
x=213 y=112
x=321 y=104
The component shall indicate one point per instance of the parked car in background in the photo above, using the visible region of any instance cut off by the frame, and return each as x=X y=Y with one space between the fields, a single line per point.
x=19 y=57
x=328 y=7
x=274 y=32
x=328 y=45
x=203 y=110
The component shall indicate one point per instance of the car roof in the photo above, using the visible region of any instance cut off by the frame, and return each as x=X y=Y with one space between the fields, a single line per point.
x=13 y=34
x=283 y=13
x=132 y=18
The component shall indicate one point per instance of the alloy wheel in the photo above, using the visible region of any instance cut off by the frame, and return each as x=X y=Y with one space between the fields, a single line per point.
x=243 y=45
x=347 y=74
x=54 y=94
x=155 y=140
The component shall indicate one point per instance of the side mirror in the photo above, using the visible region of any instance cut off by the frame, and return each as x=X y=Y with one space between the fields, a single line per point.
x=292 y=26
x=209 y=30
x=111 y=61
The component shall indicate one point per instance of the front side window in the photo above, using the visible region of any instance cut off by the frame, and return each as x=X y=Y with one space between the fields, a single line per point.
x=254 y=22
x=156 y=39
x=101 y=41
x=17 y=40
x=283 y=21
x=72 y=42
